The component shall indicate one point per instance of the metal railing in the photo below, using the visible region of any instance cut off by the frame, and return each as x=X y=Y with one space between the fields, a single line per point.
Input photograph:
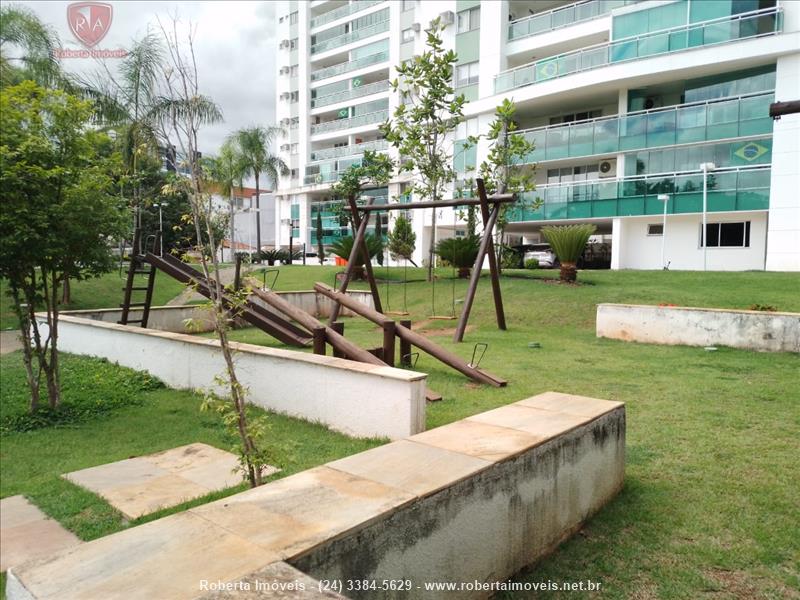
x=562 y=17
x=716 y=31
x=351 y=150
x=715 y=119
x=343 y=11
x=356 y=92
x=352 y=65
x=729 y=188
x=353 y=36
x=357 y=121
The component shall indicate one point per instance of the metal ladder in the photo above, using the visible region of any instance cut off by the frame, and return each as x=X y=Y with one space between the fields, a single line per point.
x=139 y=266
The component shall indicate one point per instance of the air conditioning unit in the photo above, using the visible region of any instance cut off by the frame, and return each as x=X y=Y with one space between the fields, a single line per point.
x=284 y=44
x=285 y=95
x=285 y=147
x=284 y=70
x=608 y=168
x=448 y=17
x=652 y=102
x=416 y=27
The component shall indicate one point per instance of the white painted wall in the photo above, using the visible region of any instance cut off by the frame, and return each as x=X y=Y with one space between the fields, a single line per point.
x=688 y=326
x=634 y=249
x=354 y=398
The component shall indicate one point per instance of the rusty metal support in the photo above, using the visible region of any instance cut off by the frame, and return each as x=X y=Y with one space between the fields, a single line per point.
x=412 y=337
x=487 y=247
x=389 y=334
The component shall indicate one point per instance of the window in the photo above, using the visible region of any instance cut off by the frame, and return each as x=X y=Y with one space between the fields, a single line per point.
x=469 y=19
x=294 y=123
x=655 y=229
x=294 y=173
x=467 y=74
x=294 y=70
x=408 y=5
x=293 y=18
x=294 y=148
x=727 y=235
x=293 y=43
x=580 y=116
x=407 y=35
x=294 y=97
x=467 y=128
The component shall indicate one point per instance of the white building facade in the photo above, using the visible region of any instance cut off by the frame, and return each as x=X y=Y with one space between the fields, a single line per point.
x=626 y=101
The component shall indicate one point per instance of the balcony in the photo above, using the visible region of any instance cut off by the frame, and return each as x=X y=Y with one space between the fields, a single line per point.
x=342 y=11
x=351 y=150
x=339 y=124
x=356 y=92
x=738 y=188
x=352 y=65
x=353 y=36
x=741 y=116
x=562 y=16
x=717 y=31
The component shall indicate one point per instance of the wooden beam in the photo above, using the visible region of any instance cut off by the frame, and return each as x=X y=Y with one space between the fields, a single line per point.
x=779 y=109
x=373 y=286
x=493 y=270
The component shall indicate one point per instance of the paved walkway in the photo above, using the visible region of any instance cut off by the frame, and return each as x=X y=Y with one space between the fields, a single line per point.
x=9 y=341
x=27 y=533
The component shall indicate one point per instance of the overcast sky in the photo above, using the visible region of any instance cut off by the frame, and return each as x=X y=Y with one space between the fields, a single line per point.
x=234 y=44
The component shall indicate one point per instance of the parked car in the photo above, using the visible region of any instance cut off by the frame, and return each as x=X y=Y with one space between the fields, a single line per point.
x=543 y=253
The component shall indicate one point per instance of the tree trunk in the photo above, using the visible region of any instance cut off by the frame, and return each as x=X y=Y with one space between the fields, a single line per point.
x=66 y=296
x=24 y=315
x=233 y=229
x=51 y=365
x=569 y=272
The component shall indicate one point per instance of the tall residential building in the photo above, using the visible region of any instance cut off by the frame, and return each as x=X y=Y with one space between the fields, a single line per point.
x=627 y=102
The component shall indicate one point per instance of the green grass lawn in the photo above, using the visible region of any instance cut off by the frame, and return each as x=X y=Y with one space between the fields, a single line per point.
x=710 y=501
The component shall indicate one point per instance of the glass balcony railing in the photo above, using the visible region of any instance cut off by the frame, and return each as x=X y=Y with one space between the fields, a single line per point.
x=562 y=17
x=682 y=124
x=353 y=36
x=343 y=11
x=350 y=150
x=352 y=65
x=717 y=31
x=340 y=124
x=728 y=190
x=356 y=92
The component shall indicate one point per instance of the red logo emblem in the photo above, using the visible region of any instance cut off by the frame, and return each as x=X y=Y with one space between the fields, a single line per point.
x=89 y=21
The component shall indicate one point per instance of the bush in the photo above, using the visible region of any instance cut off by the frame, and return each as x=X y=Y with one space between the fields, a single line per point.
x=273 y=256
x=510 y=258
x=459 y=252
x=90 y=388
x=532 y=263
x=568 y=242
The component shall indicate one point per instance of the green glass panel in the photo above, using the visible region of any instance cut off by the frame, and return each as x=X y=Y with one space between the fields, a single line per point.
x=581 y=139
x=579 y=210
x=633 y=132
x=653 y=44
x=705 y=10
x=753 y=152
x=653 y=206
x=695 y=37
x=723 y=120
x=604 y=208
x=546 y=69
x=687 y=203
x=721 y=201
x=555 y=210
x=630 y=206
x=752 y=200
x=295 y=211
x=661 y=128
x=557 y=144
x=630 y=24
x=622 y=51
x=716 y=33
x=678 y=40
x=606 y=136
x=524 y=77
x=690 y=124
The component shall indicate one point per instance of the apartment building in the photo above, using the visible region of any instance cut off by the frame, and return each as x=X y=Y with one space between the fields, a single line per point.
x=638 y=109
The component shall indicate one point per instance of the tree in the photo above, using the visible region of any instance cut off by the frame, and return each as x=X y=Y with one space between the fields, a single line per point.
x=254 y=147
x=374 y=170
x=402 y=239
x=320 y=232
x=459 y=252
x=344 y=246
x=504 y=170
x=27 y=49
x=227 y=171
x=424 y=121
x=568 y=242
x=59 y=215
x=188 y=110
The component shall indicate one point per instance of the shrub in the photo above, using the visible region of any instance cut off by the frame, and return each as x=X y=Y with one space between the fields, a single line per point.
x=343 y=246
x=568 y=242
x=91 y=388
x=273 y=256
x=510 y=258
x=459 y=252
x=532 y=263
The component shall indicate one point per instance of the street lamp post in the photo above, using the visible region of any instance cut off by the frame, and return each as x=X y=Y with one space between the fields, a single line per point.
x=160 y=205
x=665 y=199
x=705 y=167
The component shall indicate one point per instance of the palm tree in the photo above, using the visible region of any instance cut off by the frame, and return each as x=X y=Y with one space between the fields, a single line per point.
x=227 y=171
x=254 y=144
x=26 y=48
x=568 y=242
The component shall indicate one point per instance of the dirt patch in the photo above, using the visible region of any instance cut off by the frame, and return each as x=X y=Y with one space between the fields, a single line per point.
x=741 y=584
x=442 y=332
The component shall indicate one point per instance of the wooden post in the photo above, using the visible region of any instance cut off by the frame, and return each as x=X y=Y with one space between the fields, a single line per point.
x=319 y=340
x=476 y=274
x=405 y=346
x=376 y=298
x=494 y=272
x=388 y=342
x=338 y=327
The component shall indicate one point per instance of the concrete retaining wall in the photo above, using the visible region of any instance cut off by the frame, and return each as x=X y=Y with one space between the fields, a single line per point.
x=174 y=318
x=748 y=329
x=475 y=500
x=354 y=398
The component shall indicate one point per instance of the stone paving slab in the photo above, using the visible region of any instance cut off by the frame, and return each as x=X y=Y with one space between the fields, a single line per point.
x=412 y=467
x=294 y=514
x=27 y=533
x=570 y=404
x=544 y=424
x=142 y=485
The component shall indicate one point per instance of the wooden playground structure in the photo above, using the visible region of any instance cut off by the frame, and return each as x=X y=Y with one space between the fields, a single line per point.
x=296 y=327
